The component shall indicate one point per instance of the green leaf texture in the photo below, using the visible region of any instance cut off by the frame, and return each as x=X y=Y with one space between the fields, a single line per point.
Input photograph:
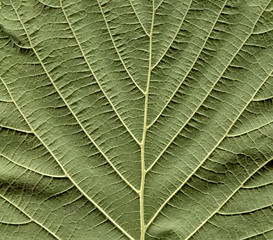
x=136 y=119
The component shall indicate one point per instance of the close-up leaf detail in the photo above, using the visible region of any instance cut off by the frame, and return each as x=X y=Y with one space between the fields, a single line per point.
x=136 y=119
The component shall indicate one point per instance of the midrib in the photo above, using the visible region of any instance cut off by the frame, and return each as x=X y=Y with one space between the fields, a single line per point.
x=143 y=170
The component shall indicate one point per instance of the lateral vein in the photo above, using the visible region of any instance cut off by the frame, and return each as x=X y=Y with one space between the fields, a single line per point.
x=194 y=62
x=158 y=6
x=66 y=173
x=249 y=131
x=30 y=169
x=61 y=166
x=31 y=219
x=115 y=46
x=207 y=156
x=15 y=129
x=138 y=18
x=72 y=112
x=206 y=96
x=230 y=196
x=175 y=35
x=96 y=79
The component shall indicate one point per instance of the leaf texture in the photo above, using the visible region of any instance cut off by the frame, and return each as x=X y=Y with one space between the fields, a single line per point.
x=129 y=119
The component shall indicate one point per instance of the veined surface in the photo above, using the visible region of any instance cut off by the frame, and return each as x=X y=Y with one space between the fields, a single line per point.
x=129 y=119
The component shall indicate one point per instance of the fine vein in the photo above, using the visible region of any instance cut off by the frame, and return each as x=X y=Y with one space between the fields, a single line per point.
x=231 y=195
x=175 y=35
x=207 y=156
x=95 y=77
x=206 y=96
x=113 y=41
x=31 y=219
x=61 y=166
x=66 y=173
x=191 y=67
x=72 y=112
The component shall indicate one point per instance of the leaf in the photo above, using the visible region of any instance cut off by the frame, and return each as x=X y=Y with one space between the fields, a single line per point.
x=136 y=119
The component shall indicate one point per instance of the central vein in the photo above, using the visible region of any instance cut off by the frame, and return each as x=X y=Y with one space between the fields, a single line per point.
x=143 y=170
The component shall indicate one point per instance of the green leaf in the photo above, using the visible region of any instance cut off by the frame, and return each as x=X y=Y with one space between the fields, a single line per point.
x=129 y=119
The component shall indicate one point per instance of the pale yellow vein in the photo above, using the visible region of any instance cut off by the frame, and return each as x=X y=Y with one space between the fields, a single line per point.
x=207 y=156
x=231 y=195
x=194 y=62
x=31 y=219
x=143 y=171
x=91 y=70
x=115 y=46
x=206 y=96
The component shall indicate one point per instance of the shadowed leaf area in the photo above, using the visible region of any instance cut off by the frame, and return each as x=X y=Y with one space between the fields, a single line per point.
x=136 y=119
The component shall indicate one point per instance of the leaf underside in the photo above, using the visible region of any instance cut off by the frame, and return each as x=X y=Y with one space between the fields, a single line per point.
x=130 y=119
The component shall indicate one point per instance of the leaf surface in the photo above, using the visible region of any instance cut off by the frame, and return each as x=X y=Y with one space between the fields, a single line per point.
x=136 y=119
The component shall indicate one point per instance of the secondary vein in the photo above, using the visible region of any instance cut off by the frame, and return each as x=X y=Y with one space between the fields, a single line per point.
x=209 y=154
x=66 y=173
x=95 y=77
